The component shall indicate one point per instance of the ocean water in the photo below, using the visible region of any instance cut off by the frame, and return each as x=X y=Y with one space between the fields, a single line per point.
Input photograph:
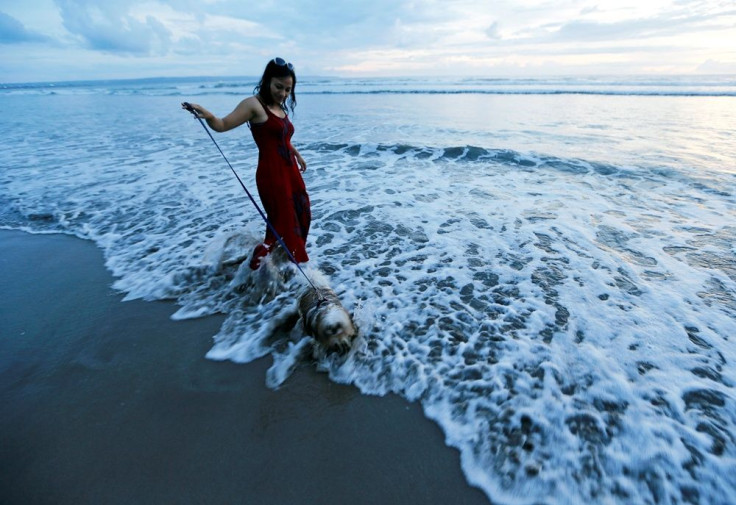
x=548 y=266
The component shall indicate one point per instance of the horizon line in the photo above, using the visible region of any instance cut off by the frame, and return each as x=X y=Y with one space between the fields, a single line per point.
x=376 y=77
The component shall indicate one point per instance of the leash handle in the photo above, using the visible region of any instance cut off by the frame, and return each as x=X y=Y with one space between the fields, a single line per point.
x=276 y=234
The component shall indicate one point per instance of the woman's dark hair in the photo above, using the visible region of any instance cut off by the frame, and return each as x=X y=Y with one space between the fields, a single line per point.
x=264 y=86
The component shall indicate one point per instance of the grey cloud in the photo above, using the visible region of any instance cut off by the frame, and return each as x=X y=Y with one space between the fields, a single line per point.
x=343 y=25
x=107 y=27
x=12 y=31
x=492 y=32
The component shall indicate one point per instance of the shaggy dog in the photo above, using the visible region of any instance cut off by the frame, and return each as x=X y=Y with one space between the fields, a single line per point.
x=325 y=319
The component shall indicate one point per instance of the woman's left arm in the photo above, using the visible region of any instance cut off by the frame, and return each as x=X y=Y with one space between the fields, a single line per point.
x=299 y=159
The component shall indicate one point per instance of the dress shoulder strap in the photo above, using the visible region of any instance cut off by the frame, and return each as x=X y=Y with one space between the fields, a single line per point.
x=269 y=111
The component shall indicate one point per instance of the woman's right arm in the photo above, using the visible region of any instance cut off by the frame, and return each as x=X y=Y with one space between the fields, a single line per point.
x=245 y=111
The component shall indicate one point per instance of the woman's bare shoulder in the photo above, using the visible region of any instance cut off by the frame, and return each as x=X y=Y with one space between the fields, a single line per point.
x=249 y=104
x=251 y=100
x=247 y=110
x=255 y=109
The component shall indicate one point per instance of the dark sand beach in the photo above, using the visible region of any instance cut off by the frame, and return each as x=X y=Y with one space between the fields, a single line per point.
x=112 y=402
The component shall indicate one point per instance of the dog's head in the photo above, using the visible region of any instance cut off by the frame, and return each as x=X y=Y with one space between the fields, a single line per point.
x=334 y=329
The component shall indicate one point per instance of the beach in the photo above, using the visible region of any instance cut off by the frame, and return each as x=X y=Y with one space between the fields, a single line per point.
x=105 y=401
x=542 y=273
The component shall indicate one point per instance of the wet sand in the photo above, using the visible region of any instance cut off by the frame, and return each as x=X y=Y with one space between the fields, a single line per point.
x=105 y=401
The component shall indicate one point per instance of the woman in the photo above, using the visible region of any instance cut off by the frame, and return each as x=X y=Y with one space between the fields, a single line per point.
x=280 y=185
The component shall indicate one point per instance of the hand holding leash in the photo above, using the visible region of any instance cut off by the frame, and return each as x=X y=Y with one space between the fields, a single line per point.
x=188 y=106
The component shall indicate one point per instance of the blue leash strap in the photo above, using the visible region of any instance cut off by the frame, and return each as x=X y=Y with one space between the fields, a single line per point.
x=188 y=107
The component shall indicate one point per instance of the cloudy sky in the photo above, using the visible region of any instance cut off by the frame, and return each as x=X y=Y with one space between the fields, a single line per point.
x=54 y=40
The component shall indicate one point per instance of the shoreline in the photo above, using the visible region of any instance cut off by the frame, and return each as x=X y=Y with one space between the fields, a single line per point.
x=106 y=401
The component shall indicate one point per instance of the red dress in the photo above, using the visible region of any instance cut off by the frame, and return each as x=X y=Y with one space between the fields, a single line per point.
x=281 y=188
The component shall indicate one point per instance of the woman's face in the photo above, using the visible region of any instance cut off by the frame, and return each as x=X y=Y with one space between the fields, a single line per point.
x=281 y=88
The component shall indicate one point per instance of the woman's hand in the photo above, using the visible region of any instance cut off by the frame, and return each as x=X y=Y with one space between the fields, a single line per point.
x=197 y=109
x=301 y=162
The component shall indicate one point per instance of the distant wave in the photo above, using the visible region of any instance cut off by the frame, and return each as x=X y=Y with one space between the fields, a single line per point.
x=690 y=86
x=471 y=154
x=611 y=92
x=552 y=92
x=528 y=161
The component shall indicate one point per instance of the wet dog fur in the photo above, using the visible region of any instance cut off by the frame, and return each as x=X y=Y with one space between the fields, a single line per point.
x=325 y=319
